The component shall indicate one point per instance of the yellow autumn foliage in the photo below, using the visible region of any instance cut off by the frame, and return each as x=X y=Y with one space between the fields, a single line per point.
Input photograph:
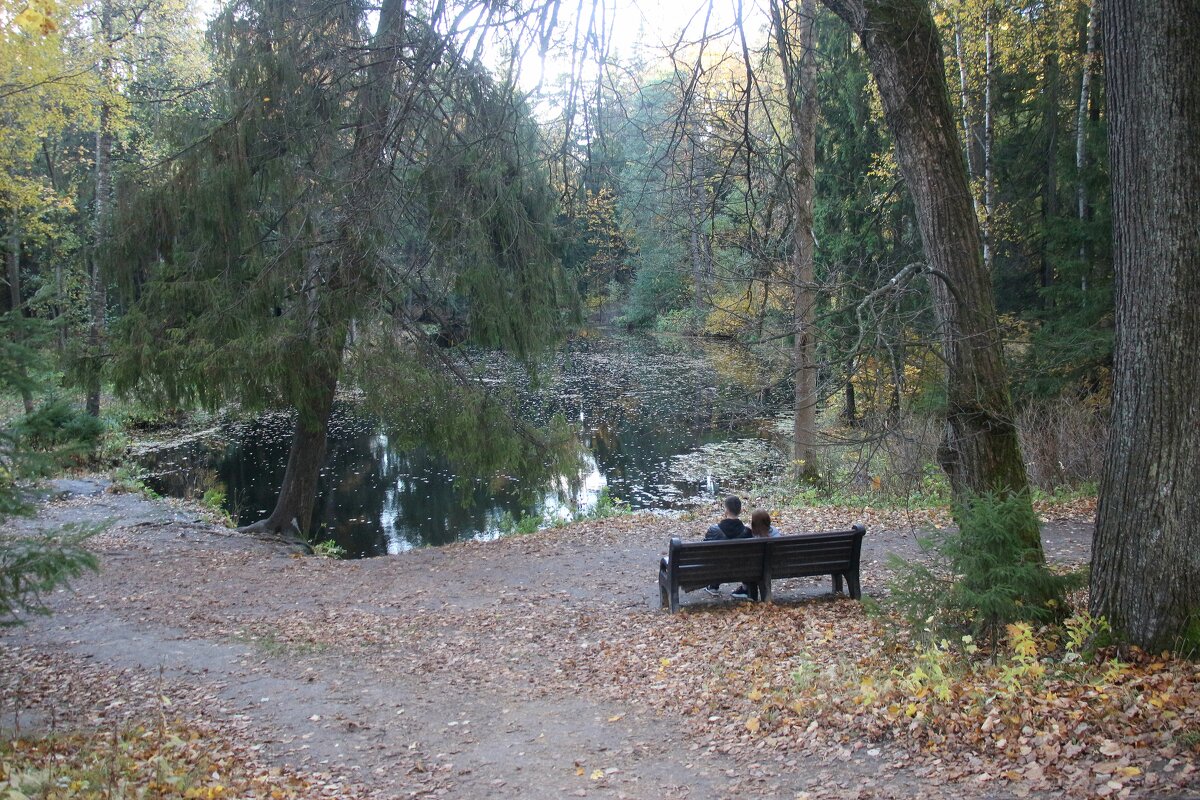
x=48 y=82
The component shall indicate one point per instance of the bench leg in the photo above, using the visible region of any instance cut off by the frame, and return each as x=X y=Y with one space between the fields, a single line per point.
x=674 y=603
x=855 y=588
x=837 y=583
x=664 y=598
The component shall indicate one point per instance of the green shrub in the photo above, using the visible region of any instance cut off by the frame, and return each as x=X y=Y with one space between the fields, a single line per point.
x=131 y=478
x=507 y=524
x=607 y=505
x=658 y=287
x=529 y=523
x=329 y=549
x=982 y=576
x=32 y=566
x=59 y=425
x=214 y=499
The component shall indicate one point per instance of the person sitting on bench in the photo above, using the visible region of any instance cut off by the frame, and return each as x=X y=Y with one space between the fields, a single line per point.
x=730 y=527
x=761 y=528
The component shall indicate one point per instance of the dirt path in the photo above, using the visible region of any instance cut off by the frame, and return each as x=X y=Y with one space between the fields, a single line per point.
x=476 y=670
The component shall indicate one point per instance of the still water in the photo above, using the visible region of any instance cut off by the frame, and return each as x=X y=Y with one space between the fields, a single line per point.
x=664 y=423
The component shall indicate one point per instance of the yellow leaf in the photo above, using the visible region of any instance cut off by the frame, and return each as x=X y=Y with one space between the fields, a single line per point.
x=1129 y=772
x=597 y=774
x=756 y=695
x=752 y=724
x=911 y=710
x=616 y=717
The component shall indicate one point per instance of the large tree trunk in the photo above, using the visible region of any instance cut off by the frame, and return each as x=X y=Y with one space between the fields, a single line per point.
x=1146 y=549
x=980 y=451
x=293 y=512
x=800 y=80
x=14 y=265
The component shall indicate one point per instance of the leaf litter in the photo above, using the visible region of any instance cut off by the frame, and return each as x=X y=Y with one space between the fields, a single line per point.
x=812 y=680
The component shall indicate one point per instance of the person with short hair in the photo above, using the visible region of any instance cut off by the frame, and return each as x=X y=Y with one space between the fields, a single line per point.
x=730 y=527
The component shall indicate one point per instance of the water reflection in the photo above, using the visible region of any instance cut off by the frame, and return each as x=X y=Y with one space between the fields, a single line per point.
x=650 y=413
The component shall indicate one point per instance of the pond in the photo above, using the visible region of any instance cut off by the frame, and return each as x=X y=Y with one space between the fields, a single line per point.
x=664 y=423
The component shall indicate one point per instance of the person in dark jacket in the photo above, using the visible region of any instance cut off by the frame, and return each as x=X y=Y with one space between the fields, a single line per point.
x=730 y=527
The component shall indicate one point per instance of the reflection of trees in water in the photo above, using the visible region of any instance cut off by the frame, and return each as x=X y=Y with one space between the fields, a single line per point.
x=637 y=404
x=188 y=472
x=411 y=498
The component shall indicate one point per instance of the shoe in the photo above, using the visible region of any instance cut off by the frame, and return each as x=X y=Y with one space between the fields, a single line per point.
x=741 y=593
x=715 y=591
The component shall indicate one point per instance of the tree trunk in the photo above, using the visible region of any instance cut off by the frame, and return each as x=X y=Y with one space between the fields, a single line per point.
x=293 y=512
x=14 y=266
x=971 y=140
x=695 y=202
x=989 y=136
x=1081 y=118
x=14 y=298
x=980 y=451
x=334 y=299
x=1146 y=549
x=800 y=81
x=97 y=294
x=1050 y=183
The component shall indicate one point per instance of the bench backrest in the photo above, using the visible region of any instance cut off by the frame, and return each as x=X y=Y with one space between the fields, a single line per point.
x=702 y=563
x=815 y=553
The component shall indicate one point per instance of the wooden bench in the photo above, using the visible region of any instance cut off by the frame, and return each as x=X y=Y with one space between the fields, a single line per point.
x=757 y=562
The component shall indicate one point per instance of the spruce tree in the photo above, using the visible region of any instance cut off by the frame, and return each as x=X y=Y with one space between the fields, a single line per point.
x=374 y=181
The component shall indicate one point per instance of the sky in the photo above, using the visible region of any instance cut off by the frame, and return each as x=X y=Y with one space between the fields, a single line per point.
x=626 y=26
x=653 y=26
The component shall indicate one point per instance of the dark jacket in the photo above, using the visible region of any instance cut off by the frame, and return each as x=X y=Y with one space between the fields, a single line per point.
x=728 y=529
